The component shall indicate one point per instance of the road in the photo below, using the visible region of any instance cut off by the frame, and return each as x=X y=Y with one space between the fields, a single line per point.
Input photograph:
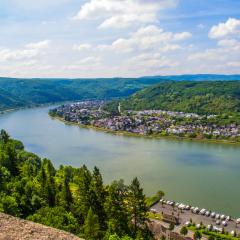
x=186 y=215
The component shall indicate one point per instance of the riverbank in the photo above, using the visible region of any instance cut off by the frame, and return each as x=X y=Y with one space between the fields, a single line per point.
x=130 y=134
x=32 y=106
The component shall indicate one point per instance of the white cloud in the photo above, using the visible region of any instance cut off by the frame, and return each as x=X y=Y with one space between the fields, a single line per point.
x=38 y=45
x=30 y=51
x=147 y=38
x=224 y=58
x=182 y=36
x=230 y=27
x=85 y=64
x=122 y=13
x=81 y=47
x=151 y=61
x=90 y=60
x=231 y=44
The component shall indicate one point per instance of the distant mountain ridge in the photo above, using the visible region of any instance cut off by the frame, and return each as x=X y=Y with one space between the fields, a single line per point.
x=199 y=77
x=19 y=92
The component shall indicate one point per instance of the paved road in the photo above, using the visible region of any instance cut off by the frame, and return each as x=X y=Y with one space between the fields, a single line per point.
x=186 y=215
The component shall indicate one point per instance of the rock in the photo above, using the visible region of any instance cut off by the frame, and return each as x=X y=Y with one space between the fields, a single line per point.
x=12 y=228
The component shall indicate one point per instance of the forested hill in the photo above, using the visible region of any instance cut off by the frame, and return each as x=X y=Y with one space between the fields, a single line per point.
x=16 y=93
x=208 y=97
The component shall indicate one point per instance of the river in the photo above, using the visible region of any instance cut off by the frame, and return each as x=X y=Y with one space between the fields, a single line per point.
x=202 y=174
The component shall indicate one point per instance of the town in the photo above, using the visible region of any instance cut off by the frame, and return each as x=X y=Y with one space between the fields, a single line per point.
x=178 y=221
x=147 y=122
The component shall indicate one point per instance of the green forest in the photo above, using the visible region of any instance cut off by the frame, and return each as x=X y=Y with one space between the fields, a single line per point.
x=71 y=199
x=208 y=97
x=18 y=93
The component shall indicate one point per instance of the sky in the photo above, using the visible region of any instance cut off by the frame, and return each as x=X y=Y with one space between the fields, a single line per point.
x=118 y=38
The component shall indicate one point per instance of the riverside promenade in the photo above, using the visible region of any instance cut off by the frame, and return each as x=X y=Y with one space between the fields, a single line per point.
x=188 y=214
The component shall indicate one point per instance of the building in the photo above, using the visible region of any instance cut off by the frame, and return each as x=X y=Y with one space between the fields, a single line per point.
x=170 y=219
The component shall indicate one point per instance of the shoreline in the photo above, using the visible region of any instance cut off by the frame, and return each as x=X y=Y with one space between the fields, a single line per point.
x=130 y=134
x=2 y=112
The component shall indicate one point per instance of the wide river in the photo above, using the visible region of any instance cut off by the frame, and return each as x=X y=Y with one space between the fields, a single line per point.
x=201 y=174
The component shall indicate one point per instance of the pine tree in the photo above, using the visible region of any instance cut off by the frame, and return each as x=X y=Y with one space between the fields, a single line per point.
x=67 y=195
x=46 y=179
x=97 y=196
x=197 y=235
x=4 y=137
x=91 y=226
x=184 y=231
x=82 y=201
x=137 y=205
x=116 y=209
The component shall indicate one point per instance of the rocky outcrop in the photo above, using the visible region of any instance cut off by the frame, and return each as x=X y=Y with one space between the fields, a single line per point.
x=12 y=228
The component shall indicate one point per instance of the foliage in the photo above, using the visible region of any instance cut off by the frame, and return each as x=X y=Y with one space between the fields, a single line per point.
x=206 y=97
x=91 y=226
x=17 y=93
x=71 y=199
x=150 y=201
x=56 y=217
x=184 y=231
x=197 y=235
x=171 y=226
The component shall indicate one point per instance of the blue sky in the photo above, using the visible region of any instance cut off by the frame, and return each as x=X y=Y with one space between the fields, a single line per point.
x=128 y=38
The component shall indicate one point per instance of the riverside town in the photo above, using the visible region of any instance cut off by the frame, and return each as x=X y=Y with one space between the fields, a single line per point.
x=147 y=122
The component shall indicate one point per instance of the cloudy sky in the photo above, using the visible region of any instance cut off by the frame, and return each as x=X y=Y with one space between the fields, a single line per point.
x=113 y=38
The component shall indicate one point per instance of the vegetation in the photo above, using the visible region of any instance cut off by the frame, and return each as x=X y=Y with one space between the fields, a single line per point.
x=211 y=234
x=17 y=93
x=206 y=97
x=197 y=235
x=72 y=199
x=184 y=231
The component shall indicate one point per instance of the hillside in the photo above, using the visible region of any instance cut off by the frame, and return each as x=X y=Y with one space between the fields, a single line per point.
x=16 y=93
x=208 y=97
x=71 y=199
x=17 y=229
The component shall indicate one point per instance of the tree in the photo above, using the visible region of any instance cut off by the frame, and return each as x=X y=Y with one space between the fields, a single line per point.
x=171 y=226
x=4 y=137
x=82 y=202
x=56 y=217
x=137 y=205
x=4 y=177
x=114 y=237
x=184 y=231
x=64 y=196
x=91 y=226
x=197 y=235
x=116 y=209
x=9 y=205
x=211 y=237
x=97 y=196
x=46 y=180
